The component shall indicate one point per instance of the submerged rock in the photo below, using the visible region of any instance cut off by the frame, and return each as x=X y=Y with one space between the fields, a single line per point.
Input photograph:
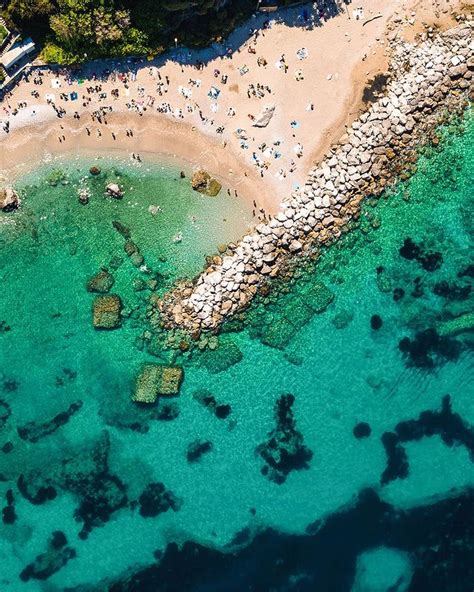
x=318 y=297
x=279 y=333
x=107 y=312
x=94 y=170
x=155 y=380
x=342 y=319
x=9 y=199
x=101 y=282
x=203 y=182
x=461 y=324
x=222 y=358
x=122 y=229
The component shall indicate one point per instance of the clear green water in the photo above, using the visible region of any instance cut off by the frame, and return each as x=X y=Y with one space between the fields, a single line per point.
x=339 y=376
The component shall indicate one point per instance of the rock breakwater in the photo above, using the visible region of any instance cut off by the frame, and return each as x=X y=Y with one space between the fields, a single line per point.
x=429 y=82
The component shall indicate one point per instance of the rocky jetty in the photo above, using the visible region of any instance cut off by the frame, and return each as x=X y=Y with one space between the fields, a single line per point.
x=9 y=199
x=429 y=82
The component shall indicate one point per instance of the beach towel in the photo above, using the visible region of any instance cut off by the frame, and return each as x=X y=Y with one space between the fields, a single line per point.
x=302 y=53
x=214 y=92
x=55 y=83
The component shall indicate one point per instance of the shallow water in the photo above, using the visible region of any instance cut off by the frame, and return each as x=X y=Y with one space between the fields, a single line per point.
x=343 y=365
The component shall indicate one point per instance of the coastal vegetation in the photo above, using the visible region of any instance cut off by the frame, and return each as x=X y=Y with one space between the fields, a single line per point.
x=72 y=31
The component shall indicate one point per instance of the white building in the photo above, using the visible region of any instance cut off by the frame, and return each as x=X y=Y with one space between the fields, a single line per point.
x=11 y=57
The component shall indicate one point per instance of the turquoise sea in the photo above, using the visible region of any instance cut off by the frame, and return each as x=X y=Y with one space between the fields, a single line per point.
x=323 y=441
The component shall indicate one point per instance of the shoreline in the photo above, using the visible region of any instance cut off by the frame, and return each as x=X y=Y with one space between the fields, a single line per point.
x=181 y=148
x=380 y=146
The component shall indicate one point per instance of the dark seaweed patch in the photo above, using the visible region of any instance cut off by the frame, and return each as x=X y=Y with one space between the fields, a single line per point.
x=361 y=430
x=36 y=490
x=376 y=322
x=7 y=447
x=439 y=538
x=397 y=460
x=428 y=348
x=48 y=563
x=102 y=495
x=429 y=260
x=448 y=425
x=5 y=412
x=34 y=431
x=398 y=294
x=207 y=399
x=196 y=449
x=284 y=451
x=467 y=272
x=451 y=291
x=156 y=499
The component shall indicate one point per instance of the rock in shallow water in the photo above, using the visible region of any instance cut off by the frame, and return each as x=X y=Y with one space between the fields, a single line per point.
x=222 y=358
x=101 y=282
x=9 y=199
x=203 y=182
x=155 y=380
x=107 y=312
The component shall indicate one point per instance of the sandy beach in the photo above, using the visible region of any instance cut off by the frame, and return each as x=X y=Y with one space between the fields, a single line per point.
x=300 y=81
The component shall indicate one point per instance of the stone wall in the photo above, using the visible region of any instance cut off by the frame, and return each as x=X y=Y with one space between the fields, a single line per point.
x=429 y=82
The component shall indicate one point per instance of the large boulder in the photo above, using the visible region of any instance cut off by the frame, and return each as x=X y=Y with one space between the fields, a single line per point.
x=204 y=183
x=107 y=312
x=9 y=199
x=155 y=380
x=114 y=190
